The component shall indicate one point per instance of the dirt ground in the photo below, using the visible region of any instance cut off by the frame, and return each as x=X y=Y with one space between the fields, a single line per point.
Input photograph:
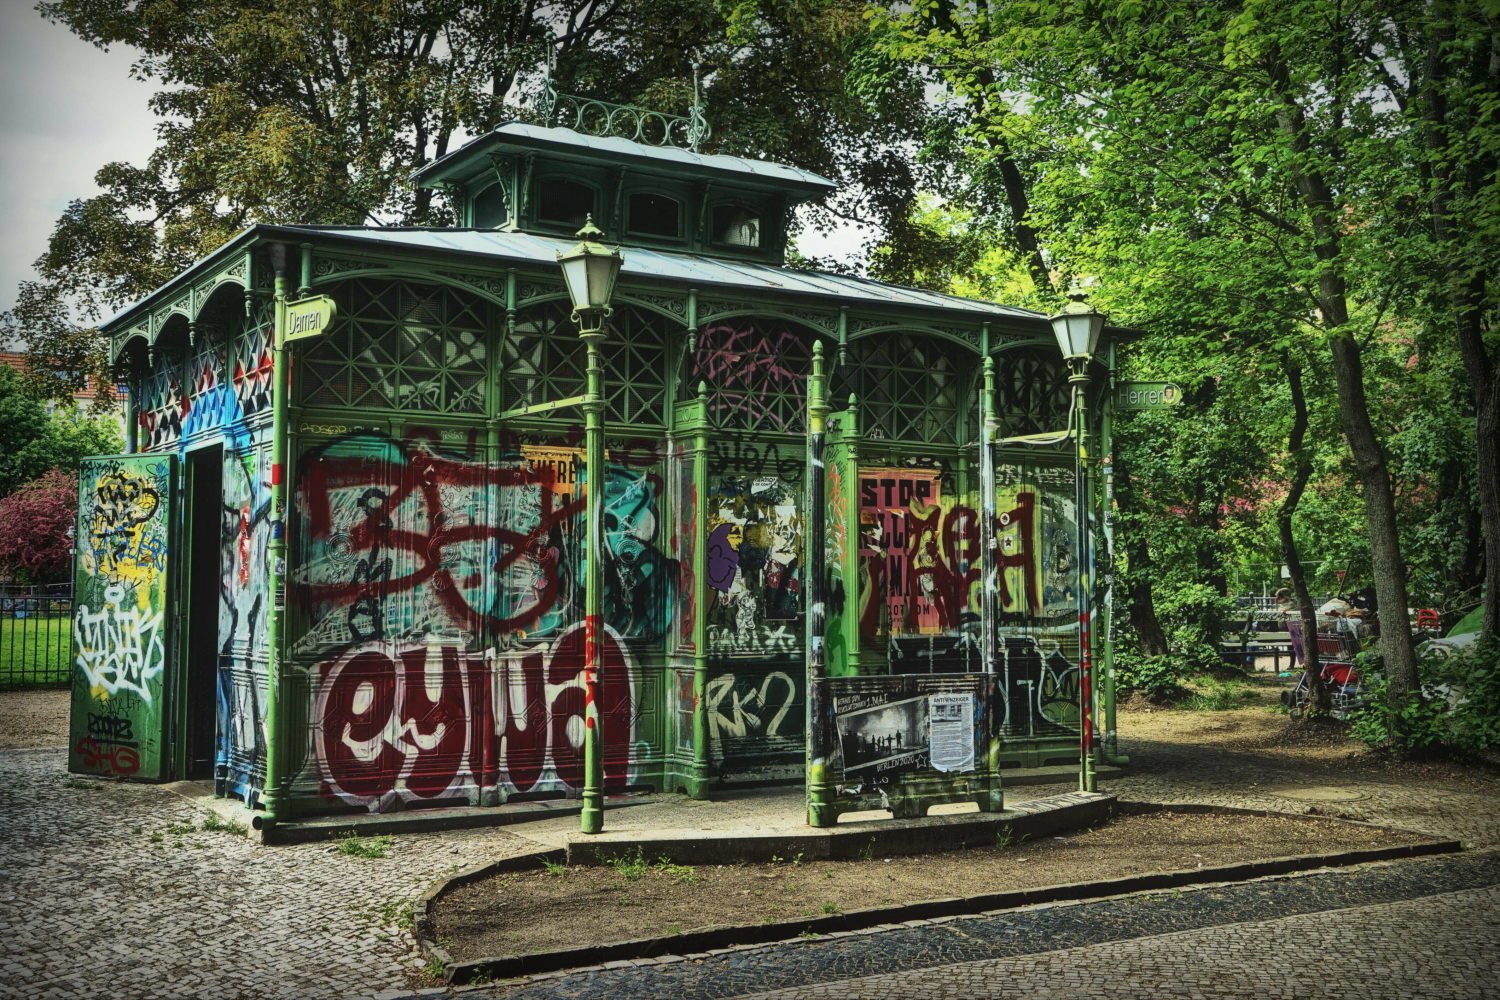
x=1254 y=745
x=33 y=719
x=539 y=911
x=1263 y=731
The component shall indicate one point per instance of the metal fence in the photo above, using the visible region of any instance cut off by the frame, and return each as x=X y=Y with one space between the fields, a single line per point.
x=36 y=637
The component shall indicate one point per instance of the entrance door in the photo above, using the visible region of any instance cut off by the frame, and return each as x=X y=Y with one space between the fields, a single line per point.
x=121 y=634
x=205 y=471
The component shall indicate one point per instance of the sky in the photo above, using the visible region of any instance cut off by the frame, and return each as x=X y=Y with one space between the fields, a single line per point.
x=69 y=108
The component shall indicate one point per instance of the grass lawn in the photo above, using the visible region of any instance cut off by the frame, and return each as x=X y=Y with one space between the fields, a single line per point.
x=35 y=651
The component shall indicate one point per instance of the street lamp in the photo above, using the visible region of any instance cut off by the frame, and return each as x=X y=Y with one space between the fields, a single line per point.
x=589 y=270
x=1077 y=329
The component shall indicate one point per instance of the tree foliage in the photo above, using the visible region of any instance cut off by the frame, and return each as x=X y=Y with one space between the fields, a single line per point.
x=1260 y=180
x=318 y=111
x=33 y=440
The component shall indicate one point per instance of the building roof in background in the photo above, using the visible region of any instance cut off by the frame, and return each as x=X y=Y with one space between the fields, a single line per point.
x=459 y=164
x=693 y=270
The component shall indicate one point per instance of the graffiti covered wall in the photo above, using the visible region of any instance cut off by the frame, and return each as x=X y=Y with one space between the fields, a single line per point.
x=438 y=597
x=754 y=539
x=120 y=616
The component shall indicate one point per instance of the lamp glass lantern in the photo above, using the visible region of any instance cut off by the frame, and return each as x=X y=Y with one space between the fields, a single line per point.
x=1077 y=329
x=589 y=270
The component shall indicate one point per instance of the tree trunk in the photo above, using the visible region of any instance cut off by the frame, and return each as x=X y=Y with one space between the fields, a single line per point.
x=1486 y=379
x=1380 y=508
x=1143 y=618
x=1301 y=473
x=1477 y=71
x=1348 y=368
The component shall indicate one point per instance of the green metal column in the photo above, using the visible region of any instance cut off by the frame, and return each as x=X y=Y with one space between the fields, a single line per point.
x=592 y=819
x=1110 y=745
x=1079 y=380
x=819 y=811
x=274 y=797
x=698 y=789
x=989 y=554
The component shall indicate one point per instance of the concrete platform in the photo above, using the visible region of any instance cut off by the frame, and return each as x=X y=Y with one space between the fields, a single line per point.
x=731 y=844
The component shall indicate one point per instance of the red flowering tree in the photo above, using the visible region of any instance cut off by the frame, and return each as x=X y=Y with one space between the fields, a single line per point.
x=34 y=523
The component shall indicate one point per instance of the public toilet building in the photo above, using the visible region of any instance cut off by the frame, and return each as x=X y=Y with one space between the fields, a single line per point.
x=345 y=564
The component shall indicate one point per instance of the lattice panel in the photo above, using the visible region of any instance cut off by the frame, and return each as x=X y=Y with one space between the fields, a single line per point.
x=545 y=359
x=251 y=371
x=635 y=366
x=401 y=345
x=1033 y=392
x=756 y=371
x=159 y=404
x=910 y=388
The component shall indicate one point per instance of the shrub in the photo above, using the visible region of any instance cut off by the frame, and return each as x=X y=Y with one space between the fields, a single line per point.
x=1456 y=709
x=34 y=523
x=1158 y=678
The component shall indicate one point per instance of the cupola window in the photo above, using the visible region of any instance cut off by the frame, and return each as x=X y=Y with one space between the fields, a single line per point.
x=654 y=215
x=489 y=208
x=736 y=226
x=564 y=201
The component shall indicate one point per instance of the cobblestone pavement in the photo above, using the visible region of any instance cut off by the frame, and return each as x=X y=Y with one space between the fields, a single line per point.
x=1418 y=928
x=97 y=891
x=1443 y=946
x=99 y=896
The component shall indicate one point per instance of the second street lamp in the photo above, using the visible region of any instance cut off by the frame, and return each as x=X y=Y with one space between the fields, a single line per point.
x=1077 y=329
x=589 y=270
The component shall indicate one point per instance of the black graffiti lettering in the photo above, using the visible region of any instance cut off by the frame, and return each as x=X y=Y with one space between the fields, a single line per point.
x=111 y=729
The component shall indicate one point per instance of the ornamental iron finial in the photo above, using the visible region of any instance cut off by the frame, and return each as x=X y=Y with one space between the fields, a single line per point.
x=592 y=116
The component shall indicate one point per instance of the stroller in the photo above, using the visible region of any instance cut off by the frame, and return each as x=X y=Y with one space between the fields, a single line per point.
x=1339 y=640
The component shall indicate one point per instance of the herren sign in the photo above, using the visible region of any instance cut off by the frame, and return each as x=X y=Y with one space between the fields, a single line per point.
x=1146 y=395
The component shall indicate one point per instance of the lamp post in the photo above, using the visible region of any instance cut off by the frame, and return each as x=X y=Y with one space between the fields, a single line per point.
x=589 y=270
x=1077 y=329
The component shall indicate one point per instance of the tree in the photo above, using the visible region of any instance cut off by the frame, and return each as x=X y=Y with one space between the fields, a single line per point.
x=318 y=111
x=35 y=521
x=1334 y=143
x=33 y=441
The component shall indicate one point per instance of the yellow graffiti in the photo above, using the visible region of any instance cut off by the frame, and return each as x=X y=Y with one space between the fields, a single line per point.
x=124 y=539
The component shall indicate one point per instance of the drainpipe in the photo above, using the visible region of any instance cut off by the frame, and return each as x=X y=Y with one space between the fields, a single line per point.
x=274 y=797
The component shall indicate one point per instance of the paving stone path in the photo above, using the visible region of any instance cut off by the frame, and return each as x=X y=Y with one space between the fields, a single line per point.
x=98 y=896
x=1419 y=928
x=98 y=893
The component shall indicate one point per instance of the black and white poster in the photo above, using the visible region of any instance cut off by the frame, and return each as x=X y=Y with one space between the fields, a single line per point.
x=951 y=721
x=881 y=739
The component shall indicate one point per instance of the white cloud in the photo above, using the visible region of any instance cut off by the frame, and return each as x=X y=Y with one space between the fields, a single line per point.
x=67 y=109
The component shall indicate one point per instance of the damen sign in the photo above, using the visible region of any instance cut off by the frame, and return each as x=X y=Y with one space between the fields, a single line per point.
x=307 y=318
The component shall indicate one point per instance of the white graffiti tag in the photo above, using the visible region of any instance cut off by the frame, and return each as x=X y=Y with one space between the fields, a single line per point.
x=742 y=719
x=120 y=649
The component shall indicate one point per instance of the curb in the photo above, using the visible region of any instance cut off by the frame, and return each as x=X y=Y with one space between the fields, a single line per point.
x=409 y=821
x=1035 y=819
x=652 y=950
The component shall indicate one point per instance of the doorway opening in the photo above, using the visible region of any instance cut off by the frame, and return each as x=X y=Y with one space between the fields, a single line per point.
x=205 y=475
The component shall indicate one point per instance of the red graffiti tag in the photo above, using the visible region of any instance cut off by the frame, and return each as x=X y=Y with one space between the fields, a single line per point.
x=424 y=541
x=436 y=722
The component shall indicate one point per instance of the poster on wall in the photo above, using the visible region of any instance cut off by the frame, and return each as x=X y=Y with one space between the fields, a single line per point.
x=951 y=720
x=881 y=739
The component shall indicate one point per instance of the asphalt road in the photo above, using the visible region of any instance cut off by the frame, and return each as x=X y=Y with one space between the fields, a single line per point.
x=1418 y=928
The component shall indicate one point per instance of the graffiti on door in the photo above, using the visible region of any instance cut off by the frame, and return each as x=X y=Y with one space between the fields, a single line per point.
x=119 y=623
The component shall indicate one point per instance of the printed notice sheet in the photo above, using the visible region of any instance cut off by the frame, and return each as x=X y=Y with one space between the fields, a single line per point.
x=951 y=725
